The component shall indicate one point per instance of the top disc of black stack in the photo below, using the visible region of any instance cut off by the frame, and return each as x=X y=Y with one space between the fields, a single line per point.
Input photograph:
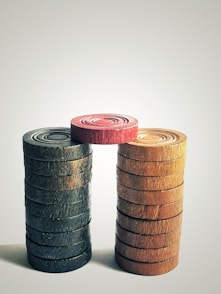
x=53 y=144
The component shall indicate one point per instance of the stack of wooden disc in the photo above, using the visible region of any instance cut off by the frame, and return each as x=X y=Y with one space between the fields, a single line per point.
x=150 y=179
x=57 y=200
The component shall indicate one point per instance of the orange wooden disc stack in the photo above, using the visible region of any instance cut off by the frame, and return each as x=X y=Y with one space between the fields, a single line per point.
x=150 y=184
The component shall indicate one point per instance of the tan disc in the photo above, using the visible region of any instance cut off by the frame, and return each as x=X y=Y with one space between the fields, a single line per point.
x=150 y=197
x=149 y=183
x=154 y=144
x=151 y=168
x=147 y=241
x=145 y=268
x=149 y=227
x=147 y=255
x=151 y=212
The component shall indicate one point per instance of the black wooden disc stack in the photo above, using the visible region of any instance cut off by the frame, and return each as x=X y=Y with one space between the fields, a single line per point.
x=57 y=200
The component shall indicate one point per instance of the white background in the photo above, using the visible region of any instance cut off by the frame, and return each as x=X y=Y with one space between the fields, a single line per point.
x=158 y=61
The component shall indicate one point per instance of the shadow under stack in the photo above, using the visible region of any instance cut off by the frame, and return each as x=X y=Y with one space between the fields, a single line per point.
x=57 y=200
x=150 y=183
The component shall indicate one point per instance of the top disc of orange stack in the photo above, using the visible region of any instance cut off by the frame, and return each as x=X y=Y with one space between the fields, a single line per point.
x=104 y=128
x=154 y=144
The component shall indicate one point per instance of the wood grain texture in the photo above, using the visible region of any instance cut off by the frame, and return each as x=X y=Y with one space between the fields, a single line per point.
x=53 y=144
x=104 y=128
x=149 y=227
x=58 y=168
x=58 y=239
x=103 y=136
x=50 y=225
x=58 y=183
x=154 y=144
x=148 y=241
x=55 y=197
x=57 y=252
x=151 y=168
x=60 y=265
x=61 y=210
x=150 y=197
x=147 y=255
x=149 y=183
x=145 y=268
x=151 y=212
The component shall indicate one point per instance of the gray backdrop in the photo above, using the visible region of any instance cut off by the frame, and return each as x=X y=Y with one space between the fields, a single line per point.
x=158 y=61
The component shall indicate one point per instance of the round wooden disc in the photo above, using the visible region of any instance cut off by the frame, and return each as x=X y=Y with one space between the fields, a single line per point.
x=50 y=225
x=149 y=227
x=58 y=168
x=147 y=255
x=58 y=183
x=149 y=183
x=53 y=144
x=61 y=210
x=151 y=168
x=147 y=241
x=154 y=144
x=104 y=128
x=58 y=239
x=57 y=252
x=145 y=268
x=151 y=212
x=56 y=197
x=150 y=197
x=59 y=265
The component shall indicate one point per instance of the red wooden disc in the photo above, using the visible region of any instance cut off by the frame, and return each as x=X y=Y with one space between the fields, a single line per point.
x=104 y=128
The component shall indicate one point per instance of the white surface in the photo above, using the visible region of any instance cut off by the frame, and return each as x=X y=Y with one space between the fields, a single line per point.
x=158 y=61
